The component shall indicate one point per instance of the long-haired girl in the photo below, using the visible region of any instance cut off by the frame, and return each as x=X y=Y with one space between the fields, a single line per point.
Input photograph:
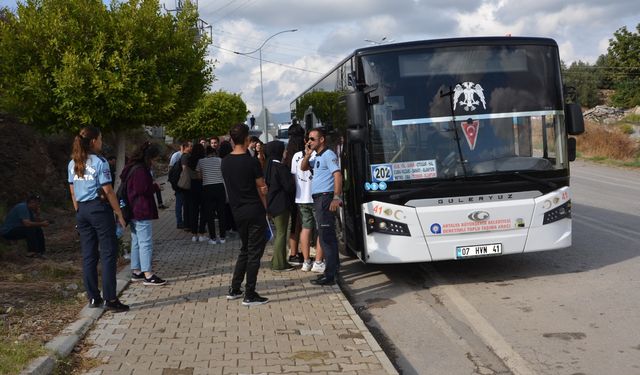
x=95 y=203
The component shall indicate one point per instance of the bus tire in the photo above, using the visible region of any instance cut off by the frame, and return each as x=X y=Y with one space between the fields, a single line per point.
x=341 y=227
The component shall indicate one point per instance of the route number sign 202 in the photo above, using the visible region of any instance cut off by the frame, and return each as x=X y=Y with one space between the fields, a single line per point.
x=382 y=173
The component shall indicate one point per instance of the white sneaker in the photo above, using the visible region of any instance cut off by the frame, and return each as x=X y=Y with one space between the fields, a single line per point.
x=318 y=267
x=306 y=266
x=194 y=239
x=221 y=240
x=203 y=238
x=212 y=242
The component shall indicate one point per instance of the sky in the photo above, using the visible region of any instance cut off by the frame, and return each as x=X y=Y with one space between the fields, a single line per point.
x=328 y=30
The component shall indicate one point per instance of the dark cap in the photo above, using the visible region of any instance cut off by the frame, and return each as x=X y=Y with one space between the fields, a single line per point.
x=34 y=197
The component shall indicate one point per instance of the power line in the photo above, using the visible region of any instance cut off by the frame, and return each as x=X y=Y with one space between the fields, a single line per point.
x=279 y=45
x=233 y=11
x=264 y=60
x=224 y=6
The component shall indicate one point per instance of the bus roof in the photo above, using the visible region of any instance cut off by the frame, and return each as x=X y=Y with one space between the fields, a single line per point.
x=432 y=43
x=488 y=40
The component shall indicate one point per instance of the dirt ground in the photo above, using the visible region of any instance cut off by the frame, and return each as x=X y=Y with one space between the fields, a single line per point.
x=39 y=297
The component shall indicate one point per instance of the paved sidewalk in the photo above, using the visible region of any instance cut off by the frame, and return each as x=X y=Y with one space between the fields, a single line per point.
x=189 y=327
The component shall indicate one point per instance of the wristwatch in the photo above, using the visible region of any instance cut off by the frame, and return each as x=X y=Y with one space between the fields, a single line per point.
x=337 y=197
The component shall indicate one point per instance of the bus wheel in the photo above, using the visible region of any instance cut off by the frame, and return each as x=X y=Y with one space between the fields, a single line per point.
x=341 y=232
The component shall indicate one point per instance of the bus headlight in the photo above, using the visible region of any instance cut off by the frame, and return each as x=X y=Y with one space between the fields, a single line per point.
x=386 y=226
x=557 y=213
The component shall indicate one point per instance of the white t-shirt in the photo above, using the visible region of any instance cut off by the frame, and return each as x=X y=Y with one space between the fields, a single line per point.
x=303 y=178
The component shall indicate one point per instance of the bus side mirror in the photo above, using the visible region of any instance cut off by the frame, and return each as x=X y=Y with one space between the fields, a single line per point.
x=357 y=135
x=356 y=106
x=571 y=148
x=574 y=119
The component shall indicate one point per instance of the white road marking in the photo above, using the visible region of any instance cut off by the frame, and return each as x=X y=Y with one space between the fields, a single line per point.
x=482 y=327
x=599 y=225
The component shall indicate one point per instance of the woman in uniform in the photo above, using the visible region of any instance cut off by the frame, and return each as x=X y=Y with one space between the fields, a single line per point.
x=95 y=203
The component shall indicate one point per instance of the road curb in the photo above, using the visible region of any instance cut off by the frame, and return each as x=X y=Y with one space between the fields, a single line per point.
x=61 y=345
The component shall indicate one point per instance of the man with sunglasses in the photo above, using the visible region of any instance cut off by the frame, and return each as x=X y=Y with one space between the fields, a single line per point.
x=326 y=190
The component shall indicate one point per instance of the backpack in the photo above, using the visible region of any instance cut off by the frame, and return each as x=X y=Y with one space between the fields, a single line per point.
x=174 y=175
x=123 y=198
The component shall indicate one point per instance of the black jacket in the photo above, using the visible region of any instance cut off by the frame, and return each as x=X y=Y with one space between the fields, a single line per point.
x=282 y=188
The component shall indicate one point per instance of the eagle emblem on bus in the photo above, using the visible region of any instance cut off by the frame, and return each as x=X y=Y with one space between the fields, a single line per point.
x=469 y=90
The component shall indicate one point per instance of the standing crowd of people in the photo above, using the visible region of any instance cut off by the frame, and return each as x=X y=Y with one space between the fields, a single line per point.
x=246 y=184
x=240 y=183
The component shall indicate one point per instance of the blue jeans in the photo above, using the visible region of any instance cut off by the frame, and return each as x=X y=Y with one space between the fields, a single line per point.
x=179 y=204
x=141 y=245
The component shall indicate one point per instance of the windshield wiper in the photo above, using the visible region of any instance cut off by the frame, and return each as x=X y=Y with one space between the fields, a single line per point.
x=536 y=179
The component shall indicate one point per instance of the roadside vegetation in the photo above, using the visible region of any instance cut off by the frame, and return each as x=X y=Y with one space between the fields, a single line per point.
x=610 y=144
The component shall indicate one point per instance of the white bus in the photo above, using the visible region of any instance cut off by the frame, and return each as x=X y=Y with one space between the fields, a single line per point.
x=451 y=149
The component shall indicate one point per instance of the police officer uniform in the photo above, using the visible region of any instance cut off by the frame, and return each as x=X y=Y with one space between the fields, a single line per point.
x=96 y=225
x=324 y=166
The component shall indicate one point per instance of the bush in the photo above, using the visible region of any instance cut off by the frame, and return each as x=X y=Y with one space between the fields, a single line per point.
x=626 y=129
x=632 y=118
x=600 y=141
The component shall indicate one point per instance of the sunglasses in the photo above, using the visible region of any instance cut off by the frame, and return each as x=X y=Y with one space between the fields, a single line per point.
x=312 y=139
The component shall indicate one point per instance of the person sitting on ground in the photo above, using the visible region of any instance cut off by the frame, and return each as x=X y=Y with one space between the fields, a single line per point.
x=24 y=222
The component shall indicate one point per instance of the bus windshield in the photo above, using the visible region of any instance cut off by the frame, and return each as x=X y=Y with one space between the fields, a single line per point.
x=445 y=112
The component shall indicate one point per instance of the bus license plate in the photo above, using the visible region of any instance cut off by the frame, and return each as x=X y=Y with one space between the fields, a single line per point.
x=478 y=250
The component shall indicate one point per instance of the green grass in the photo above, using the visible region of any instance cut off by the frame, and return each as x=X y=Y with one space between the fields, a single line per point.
x=632 y=118
x=618 y=163
x=633 y=164
x=16 y=354
x=53 y=273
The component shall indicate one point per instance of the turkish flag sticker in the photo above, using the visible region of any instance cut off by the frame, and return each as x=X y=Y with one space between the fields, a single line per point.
x=470 y=129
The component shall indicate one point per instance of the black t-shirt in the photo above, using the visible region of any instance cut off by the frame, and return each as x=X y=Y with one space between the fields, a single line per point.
x=240 y=173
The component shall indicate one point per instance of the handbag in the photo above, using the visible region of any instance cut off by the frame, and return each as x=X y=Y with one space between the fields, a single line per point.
x=185 y=179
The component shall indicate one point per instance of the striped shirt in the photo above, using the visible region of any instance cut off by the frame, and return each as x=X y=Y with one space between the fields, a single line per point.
x=209 y=167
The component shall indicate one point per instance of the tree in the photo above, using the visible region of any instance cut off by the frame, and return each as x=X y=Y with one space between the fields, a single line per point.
x=586 y=79
x=214 y=114
x=326 y=106
x=624 y=60
x=65 y=64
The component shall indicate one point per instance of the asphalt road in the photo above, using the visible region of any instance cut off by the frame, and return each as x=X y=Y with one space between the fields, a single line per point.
x=571 y=311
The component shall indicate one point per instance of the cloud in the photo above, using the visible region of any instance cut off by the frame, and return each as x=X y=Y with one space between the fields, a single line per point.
x=331 y=29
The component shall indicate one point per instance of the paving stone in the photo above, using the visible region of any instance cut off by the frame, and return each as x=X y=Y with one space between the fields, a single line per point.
x=189 y=325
